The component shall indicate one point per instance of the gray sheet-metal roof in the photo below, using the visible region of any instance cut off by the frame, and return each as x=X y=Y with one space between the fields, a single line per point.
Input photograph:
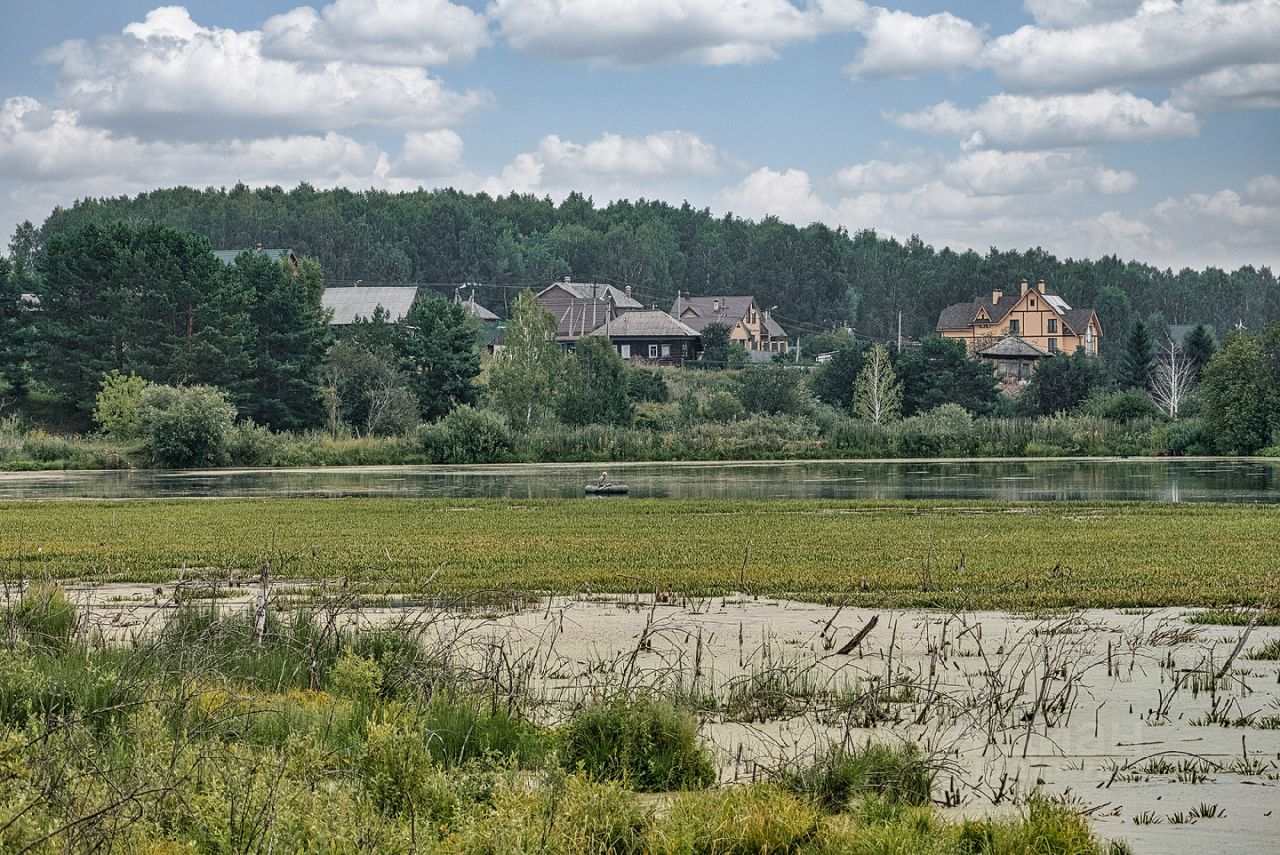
x=646 y=324
x=596 y=290
x=773 y=328
x=229 y=256
x=479 y=311
x=360 y=301
x=1012 y=347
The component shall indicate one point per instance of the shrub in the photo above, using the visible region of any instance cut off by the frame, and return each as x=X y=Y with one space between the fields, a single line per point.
x=188 y=426
x=467 y=435
x=723 y=407
x=1124 y=406
x=742 y=820
x=254 y=445
x=944 y=430
x=770 y=390
x=118 y=405
x=648 y=743
x=899 y=775
x=647 y=386
x=45 y=617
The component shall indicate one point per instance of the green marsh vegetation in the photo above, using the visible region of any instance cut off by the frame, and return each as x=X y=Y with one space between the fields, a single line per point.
x=896 y=553
x=277 y=728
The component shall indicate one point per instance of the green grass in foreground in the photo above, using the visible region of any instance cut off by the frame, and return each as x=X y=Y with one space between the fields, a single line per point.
x=884 y=553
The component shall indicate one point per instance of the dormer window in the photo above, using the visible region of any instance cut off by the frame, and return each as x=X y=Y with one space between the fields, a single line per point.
x=1033 y=302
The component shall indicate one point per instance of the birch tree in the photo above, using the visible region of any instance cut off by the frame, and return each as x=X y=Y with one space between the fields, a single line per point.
x=1173 y=378
x=877 y=396
x=524 y=375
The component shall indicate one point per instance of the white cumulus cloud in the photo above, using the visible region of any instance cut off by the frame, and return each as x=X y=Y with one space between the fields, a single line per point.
x=1063 y=14
x=1025 y=122
x=167 y=76
x=1038 y=172
x=378 y=32
x=634 y=33
x=900 y=44
x=1240 y=87
x=1161 y=43
x=787 y=195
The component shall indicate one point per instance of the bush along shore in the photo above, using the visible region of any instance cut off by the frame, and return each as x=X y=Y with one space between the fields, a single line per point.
x=276 y=728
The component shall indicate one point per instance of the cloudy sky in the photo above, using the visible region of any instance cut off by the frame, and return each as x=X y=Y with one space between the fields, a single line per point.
x=1147 y=129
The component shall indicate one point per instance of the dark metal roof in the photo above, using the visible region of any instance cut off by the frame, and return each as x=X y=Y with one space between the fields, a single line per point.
x=701 y=312
x=1012 y=347
x=1078 y=320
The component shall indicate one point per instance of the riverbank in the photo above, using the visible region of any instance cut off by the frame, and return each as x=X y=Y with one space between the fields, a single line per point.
x=884 y=553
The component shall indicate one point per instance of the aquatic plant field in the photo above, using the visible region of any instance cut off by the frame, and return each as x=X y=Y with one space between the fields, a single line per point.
x=974 y=555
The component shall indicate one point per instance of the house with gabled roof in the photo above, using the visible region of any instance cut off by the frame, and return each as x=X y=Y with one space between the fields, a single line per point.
x=581 y=307
x=650 y=335
x=755 y=329
x=1036 y=316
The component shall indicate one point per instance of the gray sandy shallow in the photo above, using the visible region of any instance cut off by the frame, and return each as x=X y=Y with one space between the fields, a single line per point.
x=1140 y=716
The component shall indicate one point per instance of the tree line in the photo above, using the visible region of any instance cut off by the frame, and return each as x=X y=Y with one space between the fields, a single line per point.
x=819 y=277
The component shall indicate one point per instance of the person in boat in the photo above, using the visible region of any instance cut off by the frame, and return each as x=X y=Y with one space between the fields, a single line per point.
x=604 y=480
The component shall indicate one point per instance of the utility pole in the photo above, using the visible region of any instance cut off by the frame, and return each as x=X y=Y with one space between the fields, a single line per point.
x=899 y=332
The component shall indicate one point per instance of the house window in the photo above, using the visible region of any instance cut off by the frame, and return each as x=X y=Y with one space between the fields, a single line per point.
x=1053 y=326
x=666 y=351
x=1053 y=345
x=624 y=350
x=1033 y=302
x=1014 y=327
x=653 y=351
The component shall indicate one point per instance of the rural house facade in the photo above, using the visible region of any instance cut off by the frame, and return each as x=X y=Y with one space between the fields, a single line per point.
x=753 y=328
x=1037 y=316
x=651 y=336
x=581 y=307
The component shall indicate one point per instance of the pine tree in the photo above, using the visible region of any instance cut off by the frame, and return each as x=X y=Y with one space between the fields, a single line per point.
x=1199 y=346
x=441 y=356
x=17 y=333
x=877 y=396
x=1138 y=359
x=291 y=331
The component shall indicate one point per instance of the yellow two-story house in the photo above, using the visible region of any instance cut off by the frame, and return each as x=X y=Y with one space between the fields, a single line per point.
x=1038 y=318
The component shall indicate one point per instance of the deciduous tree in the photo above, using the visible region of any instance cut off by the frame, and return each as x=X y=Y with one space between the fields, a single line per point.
x=878 y=394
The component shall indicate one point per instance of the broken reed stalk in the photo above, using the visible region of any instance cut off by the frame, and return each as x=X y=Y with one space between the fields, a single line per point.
x=853 y=643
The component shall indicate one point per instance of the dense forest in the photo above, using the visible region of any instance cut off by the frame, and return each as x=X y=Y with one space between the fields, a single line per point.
x=818 y=277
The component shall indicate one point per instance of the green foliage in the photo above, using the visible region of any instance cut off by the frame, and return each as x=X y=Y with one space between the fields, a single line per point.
x=833 y=382
x=441 y=351
x=719 y=350
x=1199 y=347
x=186 y=427
x=467 y=435
x=524 y=375
x=365 y=389
x=940 y=371
x=291 y=337
x=944 y=431
x=769 y=390
x=17 y=330
x=736 y=821
x=118 y=408
x=647 y=386
x=1134 y=369
x=647 y=743
x=1061 y=384
x=723 y=407
x=141 y=298
x=595 y=386
x=896 y=774
x=1239 y=396
x=44 y=617
x=1121 y=406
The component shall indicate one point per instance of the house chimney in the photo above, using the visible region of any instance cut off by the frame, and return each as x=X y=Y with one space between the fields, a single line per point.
x=257 y=247
x=1023 y=286
x=1040 y=286
x=627 y=291
x=996 y=294
x=715 y=304
x=566 y=279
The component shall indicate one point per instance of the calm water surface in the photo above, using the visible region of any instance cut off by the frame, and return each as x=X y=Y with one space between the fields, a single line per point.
x=1196 y=480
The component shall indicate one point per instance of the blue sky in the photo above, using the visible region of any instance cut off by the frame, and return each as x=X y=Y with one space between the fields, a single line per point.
x=1146 y=129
